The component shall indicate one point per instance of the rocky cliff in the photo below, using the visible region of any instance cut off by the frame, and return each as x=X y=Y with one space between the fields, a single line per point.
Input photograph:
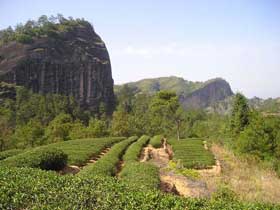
x=74 y=62
x=207 y=95
x=192 y=95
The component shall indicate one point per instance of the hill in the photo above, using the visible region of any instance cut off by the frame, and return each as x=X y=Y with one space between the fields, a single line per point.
x=60 y=56
x=193 y=95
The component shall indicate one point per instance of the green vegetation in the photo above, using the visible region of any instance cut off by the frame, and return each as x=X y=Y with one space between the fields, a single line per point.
x=152 y=86
x=30 y=120
x=136 y=174
x=44 y=26
x=107 y=164
x=178 y=168
x=78 y=151
x=156 y=141
x=240 y=114
x=24 y=188
x=191 y=153
x=140 y=175
x=134 y=150
x=43 y=158
x=10 y=153
x=143 y=114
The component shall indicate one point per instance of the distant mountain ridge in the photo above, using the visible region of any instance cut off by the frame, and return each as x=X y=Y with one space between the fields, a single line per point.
x=192 y=95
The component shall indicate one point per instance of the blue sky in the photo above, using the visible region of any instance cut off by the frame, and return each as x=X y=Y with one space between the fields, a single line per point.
x=238 y=40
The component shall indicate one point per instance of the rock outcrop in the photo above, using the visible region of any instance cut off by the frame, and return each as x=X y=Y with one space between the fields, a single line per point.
x=73 y=63
x=192 y=95
x=211 y=92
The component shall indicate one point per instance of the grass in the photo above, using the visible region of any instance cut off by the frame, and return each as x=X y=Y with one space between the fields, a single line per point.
x=156 y=141
x=136 y=174
x=25 y=188
x=106 y=165
x=248 y=178
x=78 y=151
x=191 y=153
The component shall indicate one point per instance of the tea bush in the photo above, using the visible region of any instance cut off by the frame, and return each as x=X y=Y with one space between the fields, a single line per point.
x=106 y=165
x=78 y=151
x=25 y=188
x=46 y=158
x=136 y=174
x=134 y=150
x=156 y=141
x=191 y=153
x=10 y=153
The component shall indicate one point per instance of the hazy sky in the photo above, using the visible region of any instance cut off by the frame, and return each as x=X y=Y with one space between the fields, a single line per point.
x=238 y=40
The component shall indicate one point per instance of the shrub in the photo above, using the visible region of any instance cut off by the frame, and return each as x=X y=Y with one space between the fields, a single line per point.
x=191 y=153
x=134 y=150
x=53 y=159
x=78 y=151
x=156 y=141
x=136 y=174
x=46 y=158
x=26 y=188
x=10 y=153
x=106 y=165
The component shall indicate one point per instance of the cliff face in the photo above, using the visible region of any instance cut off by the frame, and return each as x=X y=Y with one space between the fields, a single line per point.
x=192 y=95
x=74 y=63
x=212 y=92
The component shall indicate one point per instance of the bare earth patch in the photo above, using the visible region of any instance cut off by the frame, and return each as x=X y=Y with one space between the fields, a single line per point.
x=171 y=182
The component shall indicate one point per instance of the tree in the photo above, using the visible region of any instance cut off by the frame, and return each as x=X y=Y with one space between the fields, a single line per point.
x=59 y=128
x=29 y=135
x=240 y=114
x=166 y=113
x=120 y=125
x=6 y=132
x=125 y=98
x=97 y=128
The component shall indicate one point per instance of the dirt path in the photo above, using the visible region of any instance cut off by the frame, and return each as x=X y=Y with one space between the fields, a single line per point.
x=73 y=169
x=171 y=182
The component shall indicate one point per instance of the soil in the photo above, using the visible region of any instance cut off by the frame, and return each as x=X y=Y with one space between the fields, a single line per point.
x=171 y=182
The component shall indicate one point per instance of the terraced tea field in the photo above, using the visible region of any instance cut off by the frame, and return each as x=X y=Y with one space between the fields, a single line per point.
x=101 y=184
x=191 y=153
x=78 y=151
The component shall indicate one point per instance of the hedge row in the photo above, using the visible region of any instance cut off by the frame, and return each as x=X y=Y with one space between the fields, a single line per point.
x=191 y=153
x=106 y=165
x=134 y=150
x=10 y=153
x=24 y=188
x=156 y=141
x=46 y=158
x=78 y=151
x=136 y=174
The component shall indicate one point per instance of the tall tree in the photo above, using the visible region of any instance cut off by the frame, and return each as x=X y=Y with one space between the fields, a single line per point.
x=240 y=114
x=166 y=113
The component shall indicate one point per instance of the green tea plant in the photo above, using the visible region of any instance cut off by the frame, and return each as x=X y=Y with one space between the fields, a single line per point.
x=106 y=165
x=156 y=141
x=78 y=151
x=137 y=174
x=134 y=150
x=46 y=158
x=192 y=153
x=10 y=153
x=26 y=188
